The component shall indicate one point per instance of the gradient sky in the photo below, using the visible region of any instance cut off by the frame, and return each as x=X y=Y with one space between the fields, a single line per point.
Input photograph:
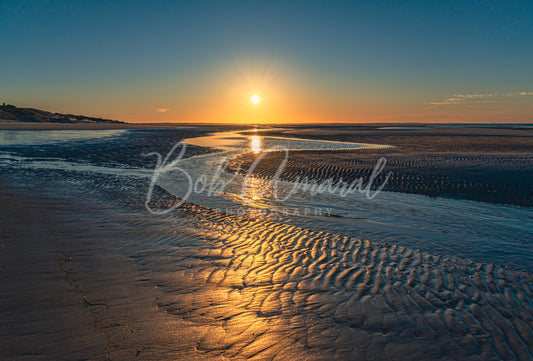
x=309 y=61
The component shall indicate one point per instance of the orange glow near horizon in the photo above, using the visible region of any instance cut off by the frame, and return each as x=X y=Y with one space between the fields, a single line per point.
x=294 y=106
x=267 y=91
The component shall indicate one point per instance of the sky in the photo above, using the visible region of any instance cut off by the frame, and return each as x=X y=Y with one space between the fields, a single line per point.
x=308 y=61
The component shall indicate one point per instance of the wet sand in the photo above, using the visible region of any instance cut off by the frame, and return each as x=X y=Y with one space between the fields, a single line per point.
x=67 y=296
x=270 y=291
x=435 y=139
x=89 y=280
x=87 y=273
x=483 y=164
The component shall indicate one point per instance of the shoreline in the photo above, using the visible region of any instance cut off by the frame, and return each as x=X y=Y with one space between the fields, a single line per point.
x=301 y=131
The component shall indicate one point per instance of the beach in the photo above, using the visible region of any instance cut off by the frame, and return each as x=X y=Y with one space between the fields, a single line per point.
x=268 y=181
x=88 y=272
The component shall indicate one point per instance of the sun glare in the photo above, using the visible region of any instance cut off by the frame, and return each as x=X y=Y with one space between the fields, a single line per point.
x=255 y=99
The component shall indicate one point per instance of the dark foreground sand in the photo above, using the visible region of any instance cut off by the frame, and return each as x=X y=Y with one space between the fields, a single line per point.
x=80 y=281
x=66 y=296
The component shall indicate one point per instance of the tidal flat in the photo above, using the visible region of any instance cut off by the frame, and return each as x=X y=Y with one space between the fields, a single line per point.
x=437 y=266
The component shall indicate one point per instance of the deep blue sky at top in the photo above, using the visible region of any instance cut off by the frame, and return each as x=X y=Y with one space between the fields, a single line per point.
x=138 y=55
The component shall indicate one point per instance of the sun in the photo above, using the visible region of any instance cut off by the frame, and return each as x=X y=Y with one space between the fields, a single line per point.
x=255 y=99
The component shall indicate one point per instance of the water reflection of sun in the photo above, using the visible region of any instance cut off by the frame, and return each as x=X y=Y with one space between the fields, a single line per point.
x=254 y=189
x=255 y=144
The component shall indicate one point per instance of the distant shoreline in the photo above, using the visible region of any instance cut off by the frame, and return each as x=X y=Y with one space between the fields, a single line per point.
x=88 y=126
x=17 y=125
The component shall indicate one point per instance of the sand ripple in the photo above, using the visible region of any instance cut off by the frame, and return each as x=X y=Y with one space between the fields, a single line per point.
x=495 y=178
x=271 y=291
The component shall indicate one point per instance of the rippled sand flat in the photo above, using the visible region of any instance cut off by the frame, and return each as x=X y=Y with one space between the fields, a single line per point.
x=212 y=285
x=88 y=273
x=493 y=164
x=495 y=178
x=435 y=138
x=267 y=291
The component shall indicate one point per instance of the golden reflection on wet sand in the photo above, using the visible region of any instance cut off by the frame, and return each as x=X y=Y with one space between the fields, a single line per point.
x=255 y=144
x=256 y=191
x=265 y=291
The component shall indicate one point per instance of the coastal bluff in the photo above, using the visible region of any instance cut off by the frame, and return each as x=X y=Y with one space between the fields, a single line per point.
x=10 y=113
